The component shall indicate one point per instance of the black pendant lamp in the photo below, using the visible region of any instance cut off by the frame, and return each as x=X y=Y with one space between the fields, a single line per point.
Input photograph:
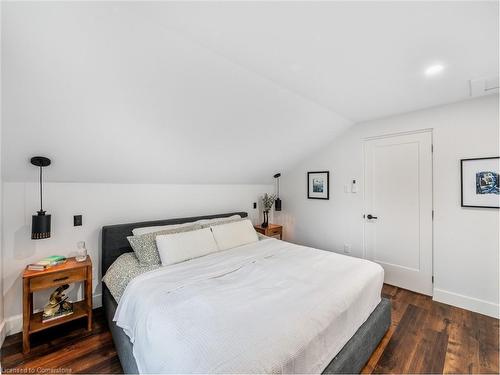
x=40 y=223
x=277 y=202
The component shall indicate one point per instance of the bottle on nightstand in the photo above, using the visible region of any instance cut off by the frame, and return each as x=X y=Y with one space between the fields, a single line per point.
x=82 y=252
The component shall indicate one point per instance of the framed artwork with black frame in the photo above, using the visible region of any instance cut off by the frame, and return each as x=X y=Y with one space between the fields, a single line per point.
x=318 y=185
x=480 y=185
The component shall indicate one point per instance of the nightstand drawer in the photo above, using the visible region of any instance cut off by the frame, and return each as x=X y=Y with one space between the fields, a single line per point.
x=58 y=278
x=273 y=231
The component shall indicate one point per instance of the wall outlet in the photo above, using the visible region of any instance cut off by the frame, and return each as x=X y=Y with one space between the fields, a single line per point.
x=254 y=205
x=347 y=248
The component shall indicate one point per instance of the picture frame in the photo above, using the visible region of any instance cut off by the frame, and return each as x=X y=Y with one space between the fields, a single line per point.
x=318 y=185
x=479 y=182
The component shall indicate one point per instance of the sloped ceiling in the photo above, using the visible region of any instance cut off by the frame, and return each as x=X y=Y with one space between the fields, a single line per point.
x=363 y=60
x=168 y=92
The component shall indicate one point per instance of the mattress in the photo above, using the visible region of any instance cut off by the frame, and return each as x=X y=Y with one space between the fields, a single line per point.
x=267 y=307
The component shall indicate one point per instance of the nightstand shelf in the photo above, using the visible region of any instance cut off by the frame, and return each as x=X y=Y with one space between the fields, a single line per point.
x=79 y=311
x=67 y=273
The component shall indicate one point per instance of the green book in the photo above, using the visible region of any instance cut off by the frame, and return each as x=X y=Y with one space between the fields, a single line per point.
x=52 y=260
x=55 y=258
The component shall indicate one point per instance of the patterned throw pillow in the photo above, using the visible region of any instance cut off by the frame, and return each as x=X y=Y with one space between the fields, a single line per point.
x=122 y=271
x=144 y=245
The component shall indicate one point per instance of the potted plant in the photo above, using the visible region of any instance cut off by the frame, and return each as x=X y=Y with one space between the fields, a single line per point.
x=267 y=204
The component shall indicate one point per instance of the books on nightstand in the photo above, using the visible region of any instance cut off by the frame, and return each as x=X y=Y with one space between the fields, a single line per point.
x=45 y=263
x=64 y=310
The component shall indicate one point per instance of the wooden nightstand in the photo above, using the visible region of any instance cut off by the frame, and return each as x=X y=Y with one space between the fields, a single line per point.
x=67 y=273
x=271 y=230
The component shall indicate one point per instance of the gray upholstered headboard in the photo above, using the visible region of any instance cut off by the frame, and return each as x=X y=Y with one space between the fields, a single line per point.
x=114 y=237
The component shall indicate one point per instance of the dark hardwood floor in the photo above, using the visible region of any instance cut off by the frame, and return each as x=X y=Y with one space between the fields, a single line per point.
x=431 y=337
x=425 y=337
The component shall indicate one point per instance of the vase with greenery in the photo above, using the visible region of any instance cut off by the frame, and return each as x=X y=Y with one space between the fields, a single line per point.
x=267 y=204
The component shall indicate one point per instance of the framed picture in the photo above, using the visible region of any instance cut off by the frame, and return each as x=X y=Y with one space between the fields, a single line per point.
x=318 y=185
x=480 y=179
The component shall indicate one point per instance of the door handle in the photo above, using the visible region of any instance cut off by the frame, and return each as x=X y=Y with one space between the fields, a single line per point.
x=370 y=216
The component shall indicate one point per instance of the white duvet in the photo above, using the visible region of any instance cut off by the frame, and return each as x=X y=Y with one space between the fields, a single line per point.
x=267 y=307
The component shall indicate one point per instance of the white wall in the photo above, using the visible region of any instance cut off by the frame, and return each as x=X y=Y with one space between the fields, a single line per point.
x=466 y=240
x=100 y=204
x=118 y=92
x=2 y=321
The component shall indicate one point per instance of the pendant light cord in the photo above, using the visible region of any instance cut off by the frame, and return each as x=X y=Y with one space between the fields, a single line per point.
x=41 y=207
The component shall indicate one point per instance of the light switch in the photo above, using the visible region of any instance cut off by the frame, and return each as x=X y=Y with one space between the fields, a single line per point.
x=77 y=220
x=354 y=186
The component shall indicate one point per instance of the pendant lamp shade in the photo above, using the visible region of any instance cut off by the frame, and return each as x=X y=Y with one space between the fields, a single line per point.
x=277 y=202
x=40 y=226
x=40 y=223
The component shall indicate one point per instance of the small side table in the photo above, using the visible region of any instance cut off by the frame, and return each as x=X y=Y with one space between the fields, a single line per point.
x=271 y=230
x=67 y=273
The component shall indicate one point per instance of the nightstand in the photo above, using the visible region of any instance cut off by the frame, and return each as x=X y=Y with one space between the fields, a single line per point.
x=67 y=273
x=271 y=230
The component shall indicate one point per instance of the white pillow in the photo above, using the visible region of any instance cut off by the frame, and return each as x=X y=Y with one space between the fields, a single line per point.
x=179 y=247
x=217 y=220
x=234 y=234
x=145 y=230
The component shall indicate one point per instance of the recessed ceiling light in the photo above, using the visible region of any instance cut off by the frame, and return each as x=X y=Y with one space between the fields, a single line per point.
x=434 y=69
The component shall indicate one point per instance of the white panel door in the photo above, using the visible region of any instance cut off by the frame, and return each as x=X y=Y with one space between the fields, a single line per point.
x=398 y=213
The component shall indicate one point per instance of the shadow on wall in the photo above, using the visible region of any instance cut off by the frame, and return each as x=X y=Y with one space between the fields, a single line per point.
x=24 y=247
x=288 y=222
x=97 y=287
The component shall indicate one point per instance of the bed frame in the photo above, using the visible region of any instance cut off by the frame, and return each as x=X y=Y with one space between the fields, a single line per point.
x=350 y=360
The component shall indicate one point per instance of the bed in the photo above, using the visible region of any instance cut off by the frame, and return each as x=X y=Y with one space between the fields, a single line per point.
x=337 y=336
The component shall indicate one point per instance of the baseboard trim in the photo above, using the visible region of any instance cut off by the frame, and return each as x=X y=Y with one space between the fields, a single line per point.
x=14 y=324
x=3 y=332
x=466 y=302
x=97 y=300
